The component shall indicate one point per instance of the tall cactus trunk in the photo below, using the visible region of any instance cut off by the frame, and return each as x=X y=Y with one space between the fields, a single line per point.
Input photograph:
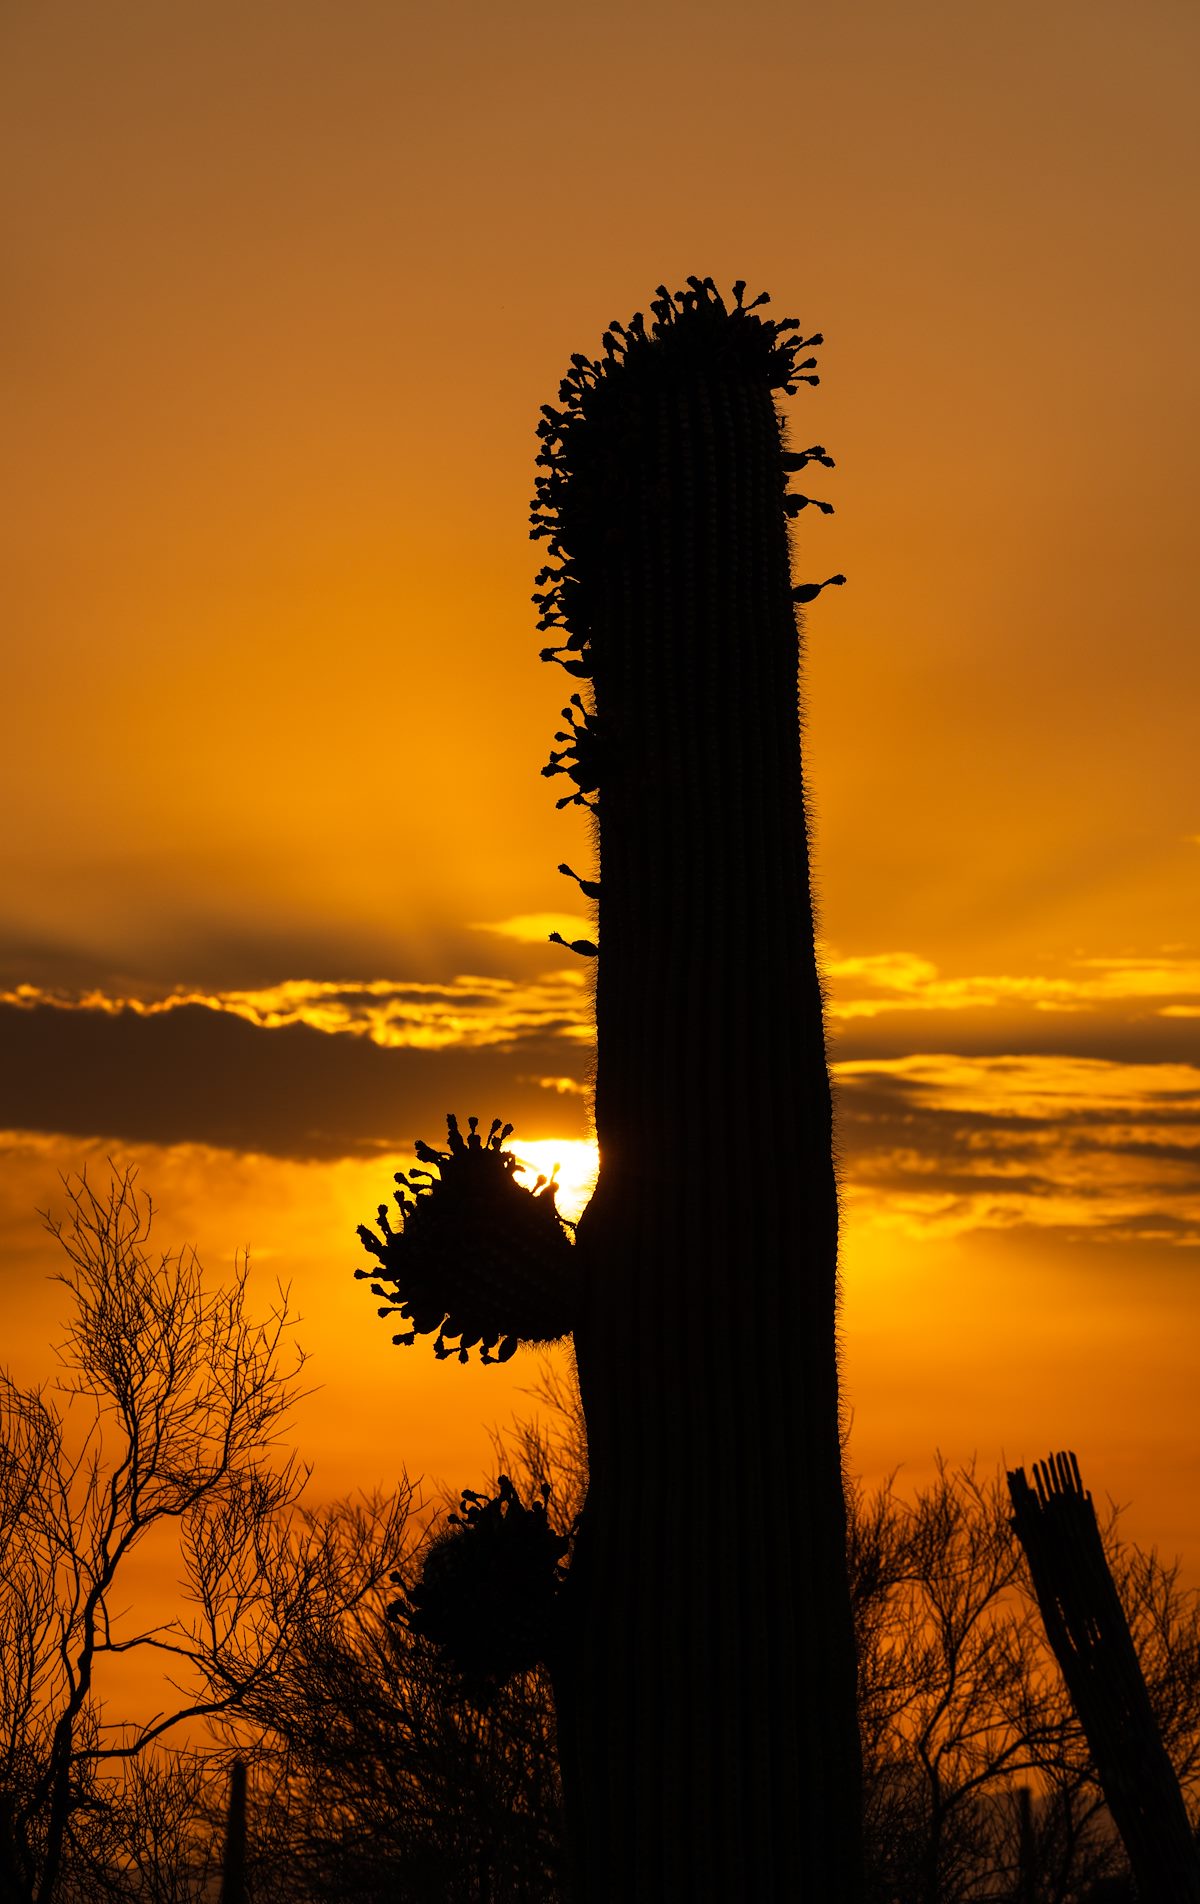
x=705 y=1676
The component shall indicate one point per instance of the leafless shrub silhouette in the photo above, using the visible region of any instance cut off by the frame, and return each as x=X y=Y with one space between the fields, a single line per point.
x=172 y=1404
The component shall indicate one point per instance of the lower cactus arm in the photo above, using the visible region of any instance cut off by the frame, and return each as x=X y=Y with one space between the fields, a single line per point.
x=477 y=1257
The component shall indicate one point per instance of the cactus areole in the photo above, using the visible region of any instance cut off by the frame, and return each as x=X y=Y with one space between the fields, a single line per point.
x=703 y=1658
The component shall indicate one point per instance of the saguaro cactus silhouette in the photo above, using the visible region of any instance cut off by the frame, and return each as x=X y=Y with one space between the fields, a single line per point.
x=703 y=1663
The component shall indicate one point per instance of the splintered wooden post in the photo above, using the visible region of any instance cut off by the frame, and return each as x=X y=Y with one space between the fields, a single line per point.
x=1086 y=1626
x=233 y=1864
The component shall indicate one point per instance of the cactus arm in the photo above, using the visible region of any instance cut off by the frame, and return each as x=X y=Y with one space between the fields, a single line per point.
x=478 y=1260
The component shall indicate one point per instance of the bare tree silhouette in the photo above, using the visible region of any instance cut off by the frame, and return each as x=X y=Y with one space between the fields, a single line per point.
x=175 y=1402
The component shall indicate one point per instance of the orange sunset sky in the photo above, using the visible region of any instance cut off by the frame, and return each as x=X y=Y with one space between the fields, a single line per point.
x=285 y=286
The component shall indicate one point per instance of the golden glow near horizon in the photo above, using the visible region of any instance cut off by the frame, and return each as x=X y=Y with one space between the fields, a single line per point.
x=287 y=290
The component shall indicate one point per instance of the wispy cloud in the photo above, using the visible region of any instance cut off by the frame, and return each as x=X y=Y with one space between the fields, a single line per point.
x=474 y=1010
x=866 y=987
x=943 y=1143
x=464 y=1011
x=197 y=1074
x=1037 y=1105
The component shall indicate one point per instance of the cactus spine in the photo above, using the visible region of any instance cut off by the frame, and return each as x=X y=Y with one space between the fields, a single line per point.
x=705 y=1677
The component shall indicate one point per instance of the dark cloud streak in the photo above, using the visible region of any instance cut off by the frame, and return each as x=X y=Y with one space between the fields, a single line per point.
x=195 y=1075
x=1117 y=1034
x=1115 y=1166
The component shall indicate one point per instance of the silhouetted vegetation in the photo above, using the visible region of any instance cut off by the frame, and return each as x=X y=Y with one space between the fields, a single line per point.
x=703 y=1658
x=478 y=1256
x=743 y=1685
x=487 y=1598
x=979 y=1785
x=166 y=1417
x=705 y=1672
x=378 y=1770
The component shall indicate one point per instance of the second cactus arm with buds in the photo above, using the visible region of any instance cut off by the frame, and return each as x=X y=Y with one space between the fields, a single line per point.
x=477 y=1256
x=703 y=1668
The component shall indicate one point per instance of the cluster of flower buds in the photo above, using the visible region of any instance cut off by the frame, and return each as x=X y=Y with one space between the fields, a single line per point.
x=579 y=759
x=485 y=1598
x=683 y=329
x=479 y=1261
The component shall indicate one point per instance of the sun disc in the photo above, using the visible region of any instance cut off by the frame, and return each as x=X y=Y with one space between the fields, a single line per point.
x=578 y=1163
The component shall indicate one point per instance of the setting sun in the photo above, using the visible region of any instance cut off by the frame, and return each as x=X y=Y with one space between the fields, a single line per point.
x=304 y=301
x=573 y=1162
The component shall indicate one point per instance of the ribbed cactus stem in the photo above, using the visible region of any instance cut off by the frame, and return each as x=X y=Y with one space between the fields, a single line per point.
x=706 y=1675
